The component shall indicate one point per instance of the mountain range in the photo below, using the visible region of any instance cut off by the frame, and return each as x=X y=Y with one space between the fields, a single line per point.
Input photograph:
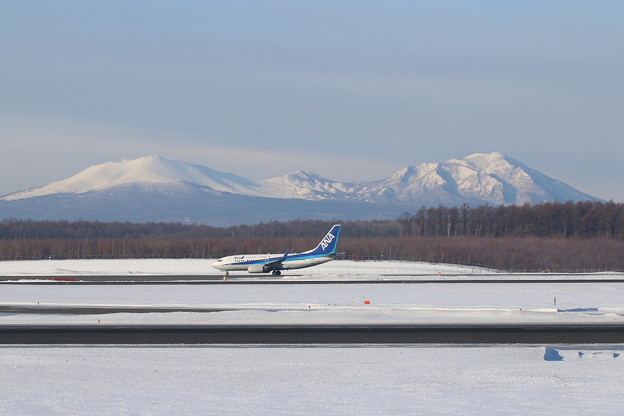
x=154 y=188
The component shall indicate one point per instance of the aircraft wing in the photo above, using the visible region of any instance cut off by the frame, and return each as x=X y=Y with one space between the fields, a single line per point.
x=272 y=264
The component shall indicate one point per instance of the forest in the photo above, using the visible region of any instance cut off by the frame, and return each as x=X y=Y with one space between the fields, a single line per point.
x=556 y=237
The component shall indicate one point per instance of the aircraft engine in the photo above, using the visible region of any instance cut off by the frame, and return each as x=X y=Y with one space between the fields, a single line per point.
x=256 y=268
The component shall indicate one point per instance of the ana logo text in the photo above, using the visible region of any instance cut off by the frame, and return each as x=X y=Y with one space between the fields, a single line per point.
x=327 y=240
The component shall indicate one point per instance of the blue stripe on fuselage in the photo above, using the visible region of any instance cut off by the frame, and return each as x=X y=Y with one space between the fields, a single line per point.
x=290 y=257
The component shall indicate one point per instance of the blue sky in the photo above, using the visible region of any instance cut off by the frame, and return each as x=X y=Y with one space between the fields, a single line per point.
x=352 y=90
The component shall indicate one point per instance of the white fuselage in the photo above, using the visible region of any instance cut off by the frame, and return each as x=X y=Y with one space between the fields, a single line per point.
x=263 y=263
x=292 y=261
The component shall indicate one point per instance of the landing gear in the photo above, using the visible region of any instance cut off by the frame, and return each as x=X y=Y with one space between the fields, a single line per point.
x=276 y=273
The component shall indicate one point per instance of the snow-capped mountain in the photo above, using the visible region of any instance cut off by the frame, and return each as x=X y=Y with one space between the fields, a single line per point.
x=146 y=170
x=479 y=178
x=159 y=189
x=306 y=185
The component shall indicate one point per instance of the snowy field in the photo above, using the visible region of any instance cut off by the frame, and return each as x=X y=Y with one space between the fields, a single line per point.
x=305 y=380
x=324 y=303
x=343 y=268
x=266 y=302
x=343 y=380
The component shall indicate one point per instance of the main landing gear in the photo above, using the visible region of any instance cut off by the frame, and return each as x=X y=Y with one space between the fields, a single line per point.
x=276 y=273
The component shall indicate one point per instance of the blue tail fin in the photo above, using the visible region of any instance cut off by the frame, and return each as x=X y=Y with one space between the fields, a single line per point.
x=328 y=243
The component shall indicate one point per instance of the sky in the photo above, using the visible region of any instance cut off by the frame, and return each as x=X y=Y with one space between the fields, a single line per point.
x=352 y=90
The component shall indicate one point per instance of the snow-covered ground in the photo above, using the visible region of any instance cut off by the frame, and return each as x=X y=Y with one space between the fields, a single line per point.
x=340 y=380
x=325 y=303
x=344 y=268
x=336 y=380
x=320 y=303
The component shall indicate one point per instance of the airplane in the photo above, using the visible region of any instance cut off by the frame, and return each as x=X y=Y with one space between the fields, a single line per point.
x=263 y=263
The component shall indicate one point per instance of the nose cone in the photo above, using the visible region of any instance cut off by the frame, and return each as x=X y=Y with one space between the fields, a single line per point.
x=217 y=265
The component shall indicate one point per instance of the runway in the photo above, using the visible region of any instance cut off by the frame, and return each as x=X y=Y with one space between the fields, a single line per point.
x=267 y=279
x=427 y=310
x=312 y=334
x=103 y=310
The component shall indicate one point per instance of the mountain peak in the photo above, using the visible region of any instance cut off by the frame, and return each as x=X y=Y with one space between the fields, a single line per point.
x=480 y=178
x=304 y=175
x=144 y=170
x=487 y=156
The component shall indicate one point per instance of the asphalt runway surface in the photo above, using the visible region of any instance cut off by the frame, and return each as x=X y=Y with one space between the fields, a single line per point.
x=313 y=334
x=103 y=310
x=288 y=280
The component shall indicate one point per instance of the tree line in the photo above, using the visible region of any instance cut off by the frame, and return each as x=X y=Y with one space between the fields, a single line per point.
x=511 y=253
x=584 y=236
x=12 y=229
x=588 y=219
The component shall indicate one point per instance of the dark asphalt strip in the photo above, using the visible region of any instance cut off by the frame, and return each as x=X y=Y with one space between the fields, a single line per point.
x=164 y=280
x=100 y=310
x=313 y=334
